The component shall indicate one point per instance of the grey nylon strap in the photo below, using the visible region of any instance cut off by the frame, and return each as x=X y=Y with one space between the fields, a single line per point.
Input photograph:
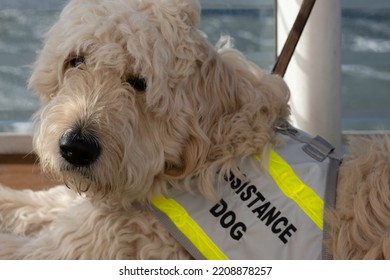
x=330 y=202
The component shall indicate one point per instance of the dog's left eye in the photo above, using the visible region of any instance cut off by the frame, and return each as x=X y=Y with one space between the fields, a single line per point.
x=76 y=61
x=138 y=83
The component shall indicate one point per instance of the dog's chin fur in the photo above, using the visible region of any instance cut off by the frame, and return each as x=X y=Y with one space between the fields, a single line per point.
x=201 y=108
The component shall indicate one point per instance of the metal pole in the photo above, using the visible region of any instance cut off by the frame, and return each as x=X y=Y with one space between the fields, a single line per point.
x=313 y=73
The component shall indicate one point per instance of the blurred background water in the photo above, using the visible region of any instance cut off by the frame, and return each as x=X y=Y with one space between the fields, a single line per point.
x=365 y=52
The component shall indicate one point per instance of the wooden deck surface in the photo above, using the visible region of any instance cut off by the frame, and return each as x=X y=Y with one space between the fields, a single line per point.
x=23 y=172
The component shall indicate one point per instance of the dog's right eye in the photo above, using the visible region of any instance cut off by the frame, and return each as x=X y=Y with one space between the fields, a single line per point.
x=138 y=83
x=76 y=61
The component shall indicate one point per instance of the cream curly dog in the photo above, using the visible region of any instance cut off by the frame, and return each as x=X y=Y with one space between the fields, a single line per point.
x=136 y=101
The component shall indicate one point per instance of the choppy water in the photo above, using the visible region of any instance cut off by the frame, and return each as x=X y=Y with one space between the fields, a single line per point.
x=365 y=55
x=366 y=68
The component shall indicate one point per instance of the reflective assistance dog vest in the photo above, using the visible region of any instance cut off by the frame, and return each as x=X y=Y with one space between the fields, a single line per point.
x=273 y=214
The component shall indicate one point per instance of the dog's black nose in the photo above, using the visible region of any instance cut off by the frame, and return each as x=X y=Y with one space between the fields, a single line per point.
x=79 y=149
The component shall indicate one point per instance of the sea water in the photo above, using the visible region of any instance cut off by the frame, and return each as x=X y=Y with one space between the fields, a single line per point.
x=365 y=55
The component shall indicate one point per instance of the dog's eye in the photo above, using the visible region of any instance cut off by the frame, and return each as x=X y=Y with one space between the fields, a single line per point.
x=76 y=61
x=138 y=83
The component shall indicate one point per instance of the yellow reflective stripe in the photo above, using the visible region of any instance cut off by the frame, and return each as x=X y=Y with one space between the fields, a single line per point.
x=184 y=222
x=290 y=184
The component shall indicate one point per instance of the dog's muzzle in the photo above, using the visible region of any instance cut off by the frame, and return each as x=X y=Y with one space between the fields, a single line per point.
x=78 y=148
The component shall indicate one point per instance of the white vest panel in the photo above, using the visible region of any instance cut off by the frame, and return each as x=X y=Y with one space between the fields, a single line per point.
x=256 y=218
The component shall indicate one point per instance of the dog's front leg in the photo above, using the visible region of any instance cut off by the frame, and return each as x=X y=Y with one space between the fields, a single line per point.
x=27 y=212
x=60 y=229
x=10 y=245
x=88 y=231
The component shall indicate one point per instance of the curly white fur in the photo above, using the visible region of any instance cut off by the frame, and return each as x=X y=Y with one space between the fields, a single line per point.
x=202 y=108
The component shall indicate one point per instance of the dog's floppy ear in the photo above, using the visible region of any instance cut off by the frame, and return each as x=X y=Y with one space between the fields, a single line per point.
x=44 y=79
x=236 y=108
